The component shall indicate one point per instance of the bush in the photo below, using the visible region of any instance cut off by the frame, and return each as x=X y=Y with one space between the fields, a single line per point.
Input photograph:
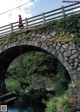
x=51 y=106
x=60 y=103
x=12 y=85
x=65 y=106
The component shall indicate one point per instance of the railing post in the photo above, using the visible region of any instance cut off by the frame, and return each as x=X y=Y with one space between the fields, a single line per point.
x=43 y=15
x=26 y=20
x=63 y=11
x=11 y=27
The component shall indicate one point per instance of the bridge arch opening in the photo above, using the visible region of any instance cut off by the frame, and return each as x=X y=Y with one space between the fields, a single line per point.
x=12 y=53
x=17 y=51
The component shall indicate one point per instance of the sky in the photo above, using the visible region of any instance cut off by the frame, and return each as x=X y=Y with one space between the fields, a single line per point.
x=31 y=8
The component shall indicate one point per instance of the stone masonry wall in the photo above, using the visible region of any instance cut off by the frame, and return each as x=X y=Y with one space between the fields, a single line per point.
x=67 y=52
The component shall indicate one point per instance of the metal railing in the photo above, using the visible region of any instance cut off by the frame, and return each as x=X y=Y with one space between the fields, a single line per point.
x=41 y=18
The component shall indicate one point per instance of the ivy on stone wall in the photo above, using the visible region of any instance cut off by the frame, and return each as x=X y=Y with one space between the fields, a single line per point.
x=67 y=28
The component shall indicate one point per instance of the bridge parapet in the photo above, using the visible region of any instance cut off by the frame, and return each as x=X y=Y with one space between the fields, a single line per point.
x=41 y=18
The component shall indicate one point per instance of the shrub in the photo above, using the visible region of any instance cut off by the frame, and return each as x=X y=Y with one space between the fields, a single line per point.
x=12 y=85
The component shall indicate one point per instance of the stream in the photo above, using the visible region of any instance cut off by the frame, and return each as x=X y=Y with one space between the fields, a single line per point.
x=26 y=104
x=28 y=109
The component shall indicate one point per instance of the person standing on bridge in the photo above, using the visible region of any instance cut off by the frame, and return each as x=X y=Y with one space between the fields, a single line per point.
x=20 y=22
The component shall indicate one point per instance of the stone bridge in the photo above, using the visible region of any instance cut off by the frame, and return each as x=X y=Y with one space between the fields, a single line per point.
x=56 y=38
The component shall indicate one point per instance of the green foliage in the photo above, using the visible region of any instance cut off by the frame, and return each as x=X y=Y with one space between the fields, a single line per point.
x=12 y=85
x=33 y=67
x=51 y=106
x=60 y=103
x=32 y=63
x=41 y=71
x=69 y=25
x=61 y=80
x=64 y=103
x=65 y=106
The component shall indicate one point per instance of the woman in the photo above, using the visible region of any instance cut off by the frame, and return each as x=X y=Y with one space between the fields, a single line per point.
x=20 y=22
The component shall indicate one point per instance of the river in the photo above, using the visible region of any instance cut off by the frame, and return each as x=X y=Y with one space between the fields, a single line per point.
x=20 y=110
x=24 y=104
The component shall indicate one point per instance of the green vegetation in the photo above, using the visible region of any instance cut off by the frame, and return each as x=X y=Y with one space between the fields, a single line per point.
x=67 y=28
x=12 y=85
x=60 y=103
x=70 y=24
x=38 y=71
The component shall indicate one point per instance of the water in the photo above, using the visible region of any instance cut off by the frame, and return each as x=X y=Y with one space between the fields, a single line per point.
x=25 y=103
x=20 y=110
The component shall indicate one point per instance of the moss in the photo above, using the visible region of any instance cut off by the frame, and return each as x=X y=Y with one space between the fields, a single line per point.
x=64 y=38
x=61 y=39
x=13 y=37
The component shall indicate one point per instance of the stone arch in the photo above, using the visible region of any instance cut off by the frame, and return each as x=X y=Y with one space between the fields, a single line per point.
x=9 y=54
x=65 y=52
x=21 y=49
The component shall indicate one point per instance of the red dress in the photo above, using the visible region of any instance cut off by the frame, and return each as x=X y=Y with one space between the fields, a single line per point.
x=20 y=22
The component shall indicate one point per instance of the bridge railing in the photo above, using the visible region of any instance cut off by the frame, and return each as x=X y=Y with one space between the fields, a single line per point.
x=41 y=18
